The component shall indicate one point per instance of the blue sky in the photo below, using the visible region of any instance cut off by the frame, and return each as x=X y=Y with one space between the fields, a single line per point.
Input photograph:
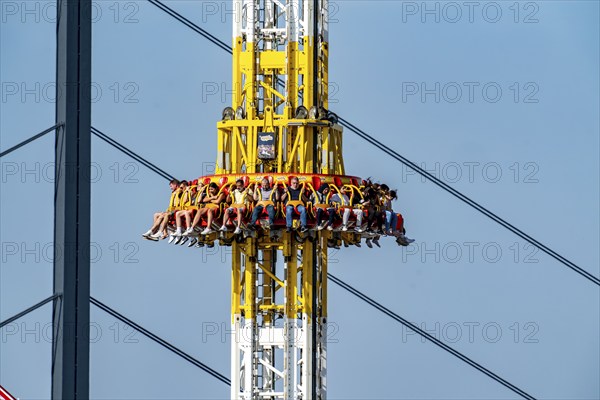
x=502 y=106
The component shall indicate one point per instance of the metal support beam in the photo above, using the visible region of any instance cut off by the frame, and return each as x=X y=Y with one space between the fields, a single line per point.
x=71 y=315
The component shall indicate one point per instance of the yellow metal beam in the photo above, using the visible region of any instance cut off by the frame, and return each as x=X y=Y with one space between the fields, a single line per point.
x=271 y=275
x=323 y=278
x=307 y=278
x=291 y=287
x=236 y=287
x=249 y=280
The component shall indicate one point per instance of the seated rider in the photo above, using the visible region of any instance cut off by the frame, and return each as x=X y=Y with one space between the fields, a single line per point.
x=161 y=219
x=187 y=197
x=397 y=225
x=265 y=198
x=211 y=203
x=238 y=199
x=391 y=219
x=323 y=207
x=190 y=208
x=342 y=202
x=294 y=198
x=373 y=206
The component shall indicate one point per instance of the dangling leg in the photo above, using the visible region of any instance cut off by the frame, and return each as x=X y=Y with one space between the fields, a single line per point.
x=240 y=212
x=302 y=211
x=209 y=220
x=345 y=219
x=228 y=211
x=359 y=218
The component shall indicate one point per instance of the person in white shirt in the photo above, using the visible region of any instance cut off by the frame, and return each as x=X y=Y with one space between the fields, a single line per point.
x=265 y=198
x=343 y=202
x=238 y=198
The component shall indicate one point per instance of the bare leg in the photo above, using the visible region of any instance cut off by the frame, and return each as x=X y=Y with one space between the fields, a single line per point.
x=163 y=224
x=157 y=220
x=178 y=216
x=188 y=218
x=226 y=217
x=199 y=215
x=240 y=211
x=209 y=219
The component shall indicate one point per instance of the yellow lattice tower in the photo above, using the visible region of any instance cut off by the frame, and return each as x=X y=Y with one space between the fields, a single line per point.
x=278 y=126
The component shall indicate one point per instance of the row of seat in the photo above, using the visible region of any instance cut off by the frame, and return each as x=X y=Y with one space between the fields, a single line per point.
x=336 y=184
x=308 y=183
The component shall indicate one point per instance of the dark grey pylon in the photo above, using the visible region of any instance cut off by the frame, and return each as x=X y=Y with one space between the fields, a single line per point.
x=71 y=312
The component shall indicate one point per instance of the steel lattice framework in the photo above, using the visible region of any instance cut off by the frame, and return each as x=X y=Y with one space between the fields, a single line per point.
x=280 y=62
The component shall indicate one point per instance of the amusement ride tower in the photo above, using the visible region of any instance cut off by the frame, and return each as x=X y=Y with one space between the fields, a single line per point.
x=278 y=127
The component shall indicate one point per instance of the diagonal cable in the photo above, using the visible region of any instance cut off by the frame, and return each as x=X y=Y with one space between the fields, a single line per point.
x=192 y=26
x=409 y=163
x=30 y=309
x=131 y=154
x=469 y=201
x=31 y=139
x=214 y=373
x=429 y=337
